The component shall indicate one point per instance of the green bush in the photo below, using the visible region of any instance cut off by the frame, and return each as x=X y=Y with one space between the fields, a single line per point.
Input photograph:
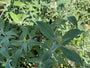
x=45 y=34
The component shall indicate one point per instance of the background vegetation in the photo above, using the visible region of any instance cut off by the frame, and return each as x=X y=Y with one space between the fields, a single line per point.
x=45 y=34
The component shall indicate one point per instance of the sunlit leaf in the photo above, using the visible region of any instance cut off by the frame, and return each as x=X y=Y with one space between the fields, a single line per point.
x=17 y=3
x=14 y=17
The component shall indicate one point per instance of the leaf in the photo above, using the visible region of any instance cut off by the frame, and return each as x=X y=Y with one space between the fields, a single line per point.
x=25 y=48
x=73 y=20
x=24 y=33
x=63 y=21
x=4 y=52
x=11 y=33
x=33 y=43
x=59 y=58
x=7 y=1
x=54 y=47
x=8 y=65
x=71 y=55
x=46 y=56
x=14 y=17
x=16 y=42
x=15 y=57
x=17 y=3
x=46 y=64
x=46 y=30
x=34 y=60
x=6 y=38
x=69 y=35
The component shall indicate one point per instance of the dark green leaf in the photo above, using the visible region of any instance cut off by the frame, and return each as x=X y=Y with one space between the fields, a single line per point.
x=59 y=58
x=24 y=33
x=11 y=33
x=4 y=52
x=54 y=47
x=46 y=30
x=47 y=64
x=73 y=20
x=25 y=48
x=16 y=42
x=33 y=43
x=35 y=60
x=46 y=56
x=71 y=55
x=15 y=57
x=69 y=35
x=8 y=65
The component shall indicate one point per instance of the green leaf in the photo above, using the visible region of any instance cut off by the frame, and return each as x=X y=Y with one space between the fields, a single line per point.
x=54 y=47
x=7 y=1
x=46 y=56
x=34 y=60
x=14 y=17
x=71 y=55
x=33 y=43
x=25 y=48
x=4 y=52
x=16 y=42
x=69 y=35
x=46 y=64
x=8 y=65
x=73 y=20
x=17 y=3
x=6 y=38
x=15 y=57
x=46 y=30
x=24 y=33
x=11 y=33
x=59 y=58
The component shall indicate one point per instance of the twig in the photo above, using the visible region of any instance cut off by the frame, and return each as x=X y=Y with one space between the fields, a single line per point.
x=4 y=10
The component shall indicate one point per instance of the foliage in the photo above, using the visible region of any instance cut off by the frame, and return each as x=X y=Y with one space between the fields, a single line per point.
x=45 y=34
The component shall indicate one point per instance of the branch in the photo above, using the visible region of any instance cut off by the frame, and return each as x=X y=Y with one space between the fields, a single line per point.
x=4 y=10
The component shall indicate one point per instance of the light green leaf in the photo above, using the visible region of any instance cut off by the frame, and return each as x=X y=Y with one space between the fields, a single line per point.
x=14 y=17
x=2 y=2
x=71 y=55
x=69 y=35
x=7 y=1
x=17 y=3
x=46 y=30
